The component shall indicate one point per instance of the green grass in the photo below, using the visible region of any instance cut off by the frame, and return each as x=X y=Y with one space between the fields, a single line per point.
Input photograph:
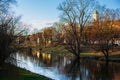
x=61 y=50
x=10 y=72
x=115 y=56
x=91 y=54
x=57 y=50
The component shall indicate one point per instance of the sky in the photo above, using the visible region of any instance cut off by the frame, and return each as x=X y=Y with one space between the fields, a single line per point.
x=43 y=13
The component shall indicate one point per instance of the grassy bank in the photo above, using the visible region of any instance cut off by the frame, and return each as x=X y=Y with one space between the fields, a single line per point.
x=57 y=50
x=10 y=72
x=62 y=51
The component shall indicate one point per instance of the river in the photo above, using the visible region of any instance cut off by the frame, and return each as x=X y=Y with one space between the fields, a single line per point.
x=64 y=68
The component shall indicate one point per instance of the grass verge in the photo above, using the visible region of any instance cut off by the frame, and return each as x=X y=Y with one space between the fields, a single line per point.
x=57 y=50
x=11 y=72
x=62 y=51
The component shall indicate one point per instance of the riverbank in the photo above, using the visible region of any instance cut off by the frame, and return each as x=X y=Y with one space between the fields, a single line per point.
x=90 y=54
x=57 y=50
x=87 y=53
x=11 y=72
x=62 y=51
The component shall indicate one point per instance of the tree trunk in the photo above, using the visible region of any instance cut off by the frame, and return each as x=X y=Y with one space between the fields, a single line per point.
x=106 y=54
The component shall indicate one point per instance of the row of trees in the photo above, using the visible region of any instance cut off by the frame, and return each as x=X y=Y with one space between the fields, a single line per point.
x=106 y=30
x=77 y=15
x=78 y=27
x=46 y=37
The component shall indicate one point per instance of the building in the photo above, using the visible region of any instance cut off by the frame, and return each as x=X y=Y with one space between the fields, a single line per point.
x=95 y=15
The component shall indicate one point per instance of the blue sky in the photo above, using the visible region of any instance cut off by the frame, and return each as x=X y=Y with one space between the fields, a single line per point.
x=41 y=13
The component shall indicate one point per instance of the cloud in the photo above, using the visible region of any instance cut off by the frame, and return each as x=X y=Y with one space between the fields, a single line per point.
x=43 y=24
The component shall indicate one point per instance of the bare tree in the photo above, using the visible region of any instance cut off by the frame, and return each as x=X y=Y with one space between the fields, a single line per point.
x=104 y=31
x=76 y=13
x=5 y=6
x=9 y=29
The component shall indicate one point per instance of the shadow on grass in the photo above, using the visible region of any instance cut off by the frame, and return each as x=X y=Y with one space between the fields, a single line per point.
x=10 y=72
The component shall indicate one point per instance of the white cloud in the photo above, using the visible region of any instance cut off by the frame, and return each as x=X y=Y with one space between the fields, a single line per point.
x=43 y=24
x=38 y=25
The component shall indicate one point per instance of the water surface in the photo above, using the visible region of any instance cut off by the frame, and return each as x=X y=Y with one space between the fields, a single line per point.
x=65 y=68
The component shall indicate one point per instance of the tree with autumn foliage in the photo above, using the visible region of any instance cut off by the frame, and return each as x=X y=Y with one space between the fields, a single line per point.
x=48 y=34
x=103 y=32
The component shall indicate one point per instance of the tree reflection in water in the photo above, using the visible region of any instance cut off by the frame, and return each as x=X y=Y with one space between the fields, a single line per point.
x=73 y=69
x=68 y=67
x=89 y=70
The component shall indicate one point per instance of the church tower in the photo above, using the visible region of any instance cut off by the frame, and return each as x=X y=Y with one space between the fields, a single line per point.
x=95 y=15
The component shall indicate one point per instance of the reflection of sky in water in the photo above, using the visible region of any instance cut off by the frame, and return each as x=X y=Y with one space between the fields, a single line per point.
x=65 y=68
x=28 y=64
x=56 y=71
